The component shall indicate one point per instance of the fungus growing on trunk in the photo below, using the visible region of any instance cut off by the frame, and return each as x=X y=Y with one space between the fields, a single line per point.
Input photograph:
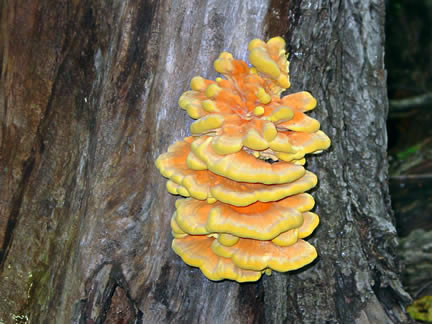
x=246 y=210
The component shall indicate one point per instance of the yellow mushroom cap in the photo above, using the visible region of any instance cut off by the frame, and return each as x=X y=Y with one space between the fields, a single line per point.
x=310 y=222
x=255 y=43
x=300 y=123
x=204 y=184
x=287 y=238
x=263 y=62
x=227 y=239
x=243 y=167
x=241 y=194
x=209 y=122
x=258 y=110
x=212 y=90
x=263 y=96
x=300 y=101
x=196 y=251
x=198 y=83
x=259 y=255
x=281 y=114
x=176 y=230
x=300 y=144
x=260 y=221
x=224 y=63
x=270 y=60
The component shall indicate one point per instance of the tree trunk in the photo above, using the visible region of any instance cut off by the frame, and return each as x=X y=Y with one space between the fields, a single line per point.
x=88 y=100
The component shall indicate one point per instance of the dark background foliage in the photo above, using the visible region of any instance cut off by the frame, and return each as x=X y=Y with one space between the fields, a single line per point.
x=409 y=66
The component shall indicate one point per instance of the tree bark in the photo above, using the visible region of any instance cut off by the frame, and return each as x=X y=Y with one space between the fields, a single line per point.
x=88 y=100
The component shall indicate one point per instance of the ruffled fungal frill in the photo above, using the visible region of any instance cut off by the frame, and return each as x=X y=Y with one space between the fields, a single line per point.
x=246 y=211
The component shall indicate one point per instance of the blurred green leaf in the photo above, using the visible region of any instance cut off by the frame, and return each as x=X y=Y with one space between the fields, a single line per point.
x=421 y=309
x=408 y=152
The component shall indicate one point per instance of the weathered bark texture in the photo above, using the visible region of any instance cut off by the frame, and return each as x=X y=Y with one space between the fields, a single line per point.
x=88 y=101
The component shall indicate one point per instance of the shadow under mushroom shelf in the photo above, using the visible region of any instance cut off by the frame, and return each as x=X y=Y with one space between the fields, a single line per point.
x=246 y=211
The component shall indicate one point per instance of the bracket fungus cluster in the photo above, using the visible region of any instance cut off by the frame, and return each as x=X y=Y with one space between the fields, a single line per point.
x=246 y=211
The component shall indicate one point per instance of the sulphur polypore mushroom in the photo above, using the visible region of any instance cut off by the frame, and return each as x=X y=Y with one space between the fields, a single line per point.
x=246 y=211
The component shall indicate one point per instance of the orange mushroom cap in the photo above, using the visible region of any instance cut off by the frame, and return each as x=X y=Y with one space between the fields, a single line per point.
x=205 y=184
x=196 y=251
x=258 y=255
x=244 y=167
x=260 y=221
